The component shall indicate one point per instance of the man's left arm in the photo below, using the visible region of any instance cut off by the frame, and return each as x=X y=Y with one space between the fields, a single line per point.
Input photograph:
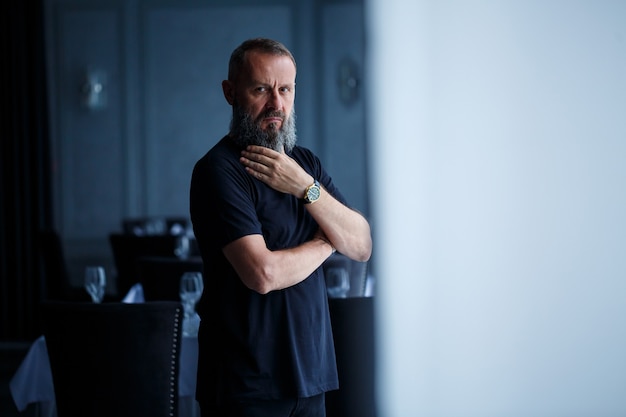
x=346 y=229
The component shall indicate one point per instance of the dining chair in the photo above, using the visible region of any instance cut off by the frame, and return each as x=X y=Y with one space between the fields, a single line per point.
x=128 y=248
x=160 y=276
x=114 y=359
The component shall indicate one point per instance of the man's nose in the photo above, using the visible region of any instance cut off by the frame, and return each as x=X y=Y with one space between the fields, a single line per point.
x=274 y=101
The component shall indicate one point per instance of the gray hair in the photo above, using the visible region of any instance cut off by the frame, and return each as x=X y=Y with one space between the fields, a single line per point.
x=264 y=45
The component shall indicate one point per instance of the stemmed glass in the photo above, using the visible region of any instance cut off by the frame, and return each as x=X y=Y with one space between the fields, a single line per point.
x=95 y=282
x=182 y=247
x=191 y=286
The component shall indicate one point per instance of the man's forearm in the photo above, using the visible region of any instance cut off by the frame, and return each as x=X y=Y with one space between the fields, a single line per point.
x=346 y=229
x=263 y=270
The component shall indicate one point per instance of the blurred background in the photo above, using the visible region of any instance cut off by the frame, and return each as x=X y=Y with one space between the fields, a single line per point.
x=485 y=141
x=135 y=100
x=498 y=142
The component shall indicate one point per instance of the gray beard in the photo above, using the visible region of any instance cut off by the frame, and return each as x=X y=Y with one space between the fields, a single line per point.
x=246 y=131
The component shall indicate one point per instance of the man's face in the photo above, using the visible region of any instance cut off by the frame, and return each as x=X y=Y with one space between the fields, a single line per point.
x=262 y=99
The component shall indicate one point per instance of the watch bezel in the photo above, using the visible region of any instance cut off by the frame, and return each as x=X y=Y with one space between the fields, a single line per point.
x=314 y=189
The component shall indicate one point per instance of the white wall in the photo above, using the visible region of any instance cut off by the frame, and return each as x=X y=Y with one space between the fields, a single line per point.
x=499 y=188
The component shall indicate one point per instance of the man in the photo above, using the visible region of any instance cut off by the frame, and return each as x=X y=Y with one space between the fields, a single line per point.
x=266 y=216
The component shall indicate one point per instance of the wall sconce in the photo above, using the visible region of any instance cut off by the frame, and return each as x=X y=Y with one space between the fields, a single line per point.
x=348 y=80
x=93 y=89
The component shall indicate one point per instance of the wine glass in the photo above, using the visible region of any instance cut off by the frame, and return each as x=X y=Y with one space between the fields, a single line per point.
x=337 y=282
x=191 y=286
x=95 y=282
x=182 y=247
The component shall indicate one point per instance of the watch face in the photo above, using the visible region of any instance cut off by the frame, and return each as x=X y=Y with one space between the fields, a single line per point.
x=313 y=193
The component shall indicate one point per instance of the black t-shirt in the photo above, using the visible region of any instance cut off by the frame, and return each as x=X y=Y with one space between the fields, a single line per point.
x=268 y=346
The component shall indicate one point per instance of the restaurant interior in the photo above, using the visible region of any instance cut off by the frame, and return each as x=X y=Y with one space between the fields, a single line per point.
x=491 y=165
x=112 y=104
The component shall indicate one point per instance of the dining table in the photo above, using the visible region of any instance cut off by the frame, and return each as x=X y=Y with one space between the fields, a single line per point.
x=32 y=382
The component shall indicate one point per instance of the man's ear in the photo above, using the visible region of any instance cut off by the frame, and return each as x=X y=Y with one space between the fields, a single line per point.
x=229 y=91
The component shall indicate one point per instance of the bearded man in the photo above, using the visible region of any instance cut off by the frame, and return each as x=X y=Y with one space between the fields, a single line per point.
x=266 y=215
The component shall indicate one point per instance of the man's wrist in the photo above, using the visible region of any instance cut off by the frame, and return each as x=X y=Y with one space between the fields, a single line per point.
x=312 y=193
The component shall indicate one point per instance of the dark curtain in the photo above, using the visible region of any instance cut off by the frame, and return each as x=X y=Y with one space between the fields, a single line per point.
x=25 y=190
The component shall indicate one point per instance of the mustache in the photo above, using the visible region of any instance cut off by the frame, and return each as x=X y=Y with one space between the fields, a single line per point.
x=272 y=113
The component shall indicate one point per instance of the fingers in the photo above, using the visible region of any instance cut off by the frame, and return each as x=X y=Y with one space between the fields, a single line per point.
x=258 y=157
x=255 y=168
x=260 y=150
x=256 y=161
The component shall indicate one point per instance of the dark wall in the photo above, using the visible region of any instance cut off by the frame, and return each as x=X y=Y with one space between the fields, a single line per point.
x=24 y=186
x=131 y=150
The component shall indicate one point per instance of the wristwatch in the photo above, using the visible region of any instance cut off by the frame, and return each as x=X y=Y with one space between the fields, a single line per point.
x=312 y=193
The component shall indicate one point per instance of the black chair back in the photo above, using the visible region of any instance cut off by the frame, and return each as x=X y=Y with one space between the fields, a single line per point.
x=114 y=359
x=127 y=249
x=160 y=276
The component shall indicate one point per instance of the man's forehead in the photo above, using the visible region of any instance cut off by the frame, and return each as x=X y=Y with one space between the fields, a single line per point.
x=261 y=65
